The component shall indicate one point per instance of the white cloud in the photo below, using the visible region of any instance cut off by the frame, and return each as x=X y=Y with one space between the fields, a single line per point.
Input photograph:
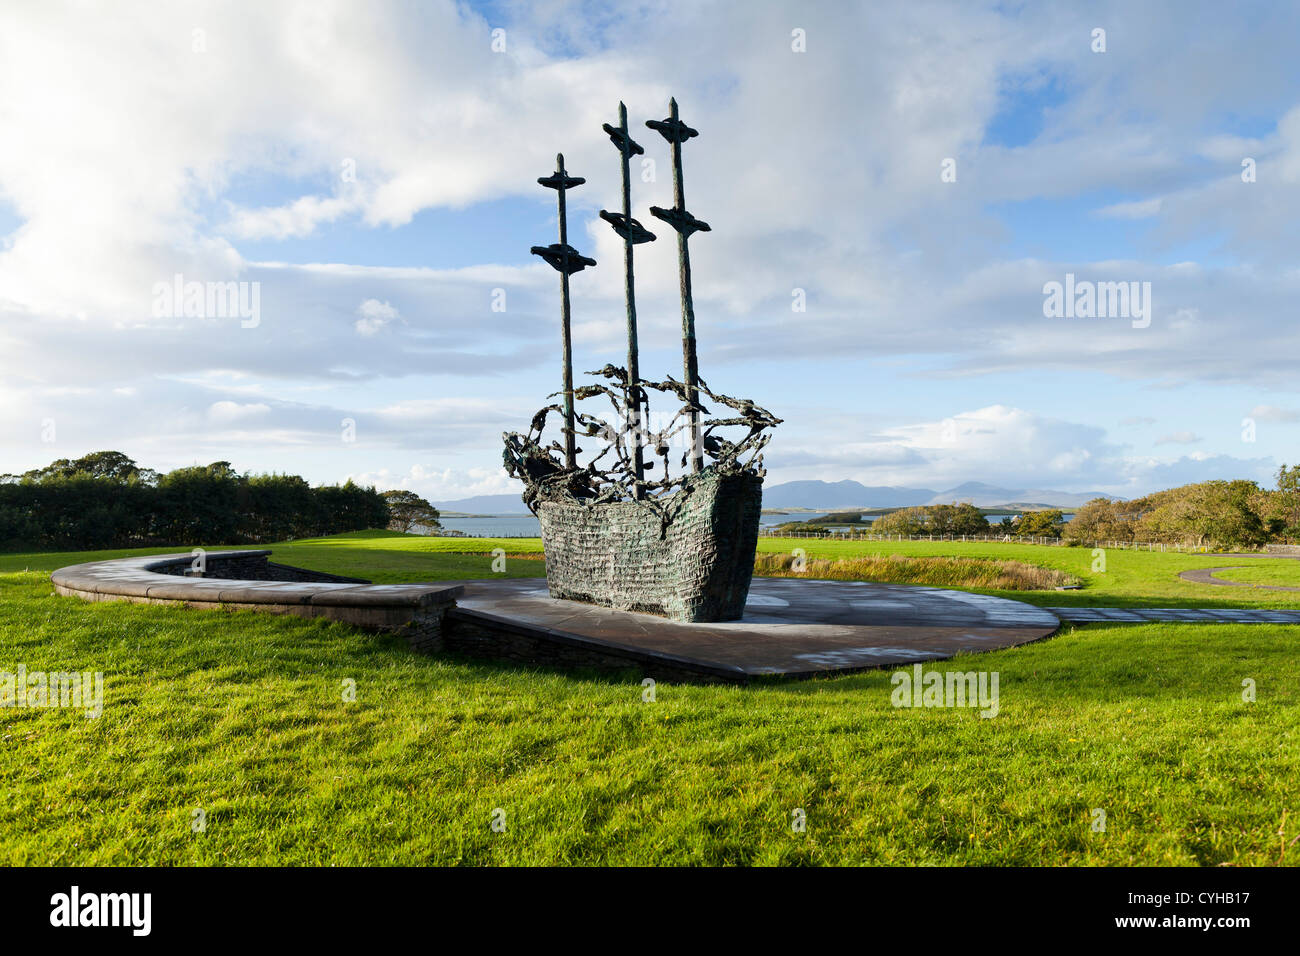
x=1002 y=444
x=325 y=95
x=1010 y=447
x=374 y=315
x=1178 y=438
x=441 y=484
x=818 y=171
x=299 y=218
x=226 y=411
x=1142 y=209
x=1272 y=413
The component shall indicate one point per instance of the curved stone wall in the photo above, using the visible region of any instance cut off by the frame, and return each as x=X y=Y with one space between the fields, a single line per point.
x=247 y=580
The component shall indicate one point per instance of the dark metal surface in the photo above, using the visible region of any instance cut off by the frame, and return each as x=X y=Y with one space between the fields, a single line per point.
x=615 y=534
x=677 y=132
x=623 y=469
x=633 y=233
x=566 y=260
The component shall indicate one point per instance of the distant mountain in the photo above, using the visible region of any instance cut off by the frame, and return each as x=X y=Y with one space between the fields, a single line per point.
x=840 y=495
x=977 y=493
x=990 y=496
x=825 y=495
x=485 y=505
x=1064 y=499
x=833 y=495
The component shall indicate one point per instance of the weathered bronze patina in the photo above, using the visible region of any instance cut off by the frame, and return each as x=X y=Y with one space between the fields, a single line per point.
x=566 y=260
x=680 y=546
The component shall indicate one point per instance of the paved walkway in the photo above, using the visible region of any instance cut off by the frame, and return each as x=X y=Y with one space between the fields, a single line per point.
x=792 y=626
x=1207 y=576
x=1090 y=615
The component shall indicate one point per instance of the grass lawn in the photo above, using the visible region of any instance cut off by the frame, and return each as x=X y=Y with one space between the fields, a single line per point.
x=384 y=557
x=1130 y=578
x=242 y=716
x=1279 y=572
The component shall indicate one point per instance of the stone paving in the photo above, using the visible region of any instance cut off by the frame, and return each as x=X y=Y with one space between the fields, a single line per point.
x=1207 y=576
x=791 y=626
x=1216 y=615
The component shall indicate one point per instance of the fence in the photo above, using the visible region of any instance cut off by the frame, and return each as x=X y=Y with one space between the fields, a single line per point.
x=997 y=538
x=486 y=534
x=848 y=535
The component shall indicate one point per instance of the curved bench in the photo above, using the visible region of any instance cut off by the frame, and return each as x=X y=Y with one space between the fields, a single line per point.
x=247 y=580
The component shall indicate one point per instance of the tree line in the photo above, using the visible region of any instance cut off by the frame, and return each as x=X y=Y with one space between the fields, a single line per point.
x=106 y=500
x=962 y=518
x=1216 y=514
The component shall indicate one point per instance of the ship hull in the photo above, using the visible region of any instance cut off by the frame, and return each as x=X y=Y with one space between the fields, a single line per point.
x=694 y=567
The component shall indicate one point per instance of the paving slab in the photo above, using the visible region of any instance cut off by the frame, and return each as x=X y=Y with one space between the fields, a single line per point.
x=792 y=626
x=1208 y=576
x=388 y=595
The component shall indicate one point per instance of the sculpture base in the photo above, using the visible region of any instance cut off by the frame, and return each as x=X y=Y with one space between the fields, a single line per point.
x=792 y=628
x=694 y=567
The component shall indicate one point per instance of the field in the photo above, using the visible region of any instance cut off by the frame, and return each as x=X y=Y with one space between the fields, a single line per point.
x=242 y=716
x=983 y=573
x=1276 y=573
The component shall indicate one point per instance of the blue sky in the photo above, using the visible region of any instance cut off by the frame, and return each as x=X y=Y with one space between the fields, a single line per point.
x=373 y=170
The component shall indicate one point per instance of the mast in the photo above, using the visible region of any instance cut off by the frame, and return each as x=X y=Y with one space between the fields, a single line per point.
x=633 y=233
x=677 y=132
x=566 y=260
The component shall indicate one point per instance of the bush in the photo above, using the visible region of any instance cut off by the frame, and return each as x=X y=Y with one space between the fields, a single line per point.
x=1218 y=514
x=842 y=517
x=105 y=501
x=955 y=518
x=1047 y=523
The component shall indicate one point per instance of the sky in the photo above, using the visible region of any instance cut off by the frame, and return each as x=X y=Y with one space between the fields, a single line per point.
x=916 y=174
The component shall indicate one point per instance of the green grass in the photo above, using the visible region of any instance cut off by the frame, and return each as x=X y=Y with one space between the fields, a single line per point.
x=384 y=557
x=242 y=715
x=1130 y=578
x=1280 y=572
x=969 y=573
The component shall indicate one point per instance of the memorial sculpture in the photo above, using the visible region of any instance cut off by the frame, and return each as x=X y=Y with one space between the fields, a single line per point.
x=681 y=546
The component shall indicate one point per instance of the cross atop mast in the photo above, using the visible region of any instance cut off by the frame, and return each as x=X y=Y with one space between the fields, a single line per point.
x=633 y=233
x=566 y=260
x=677 y=132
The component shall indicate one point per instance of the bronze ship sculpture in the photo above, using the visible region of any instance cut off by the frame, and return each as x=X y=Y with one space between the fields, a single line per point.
x=678 y=546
